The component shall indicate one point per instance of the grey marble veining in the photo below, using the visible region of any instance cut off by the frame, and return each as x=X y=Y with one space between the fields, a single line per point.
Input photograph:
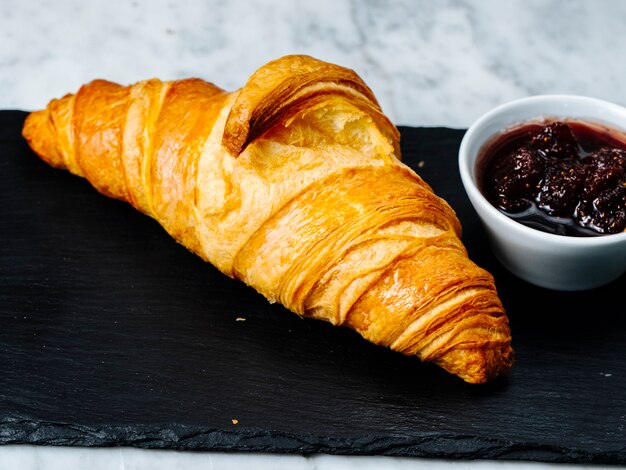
x=430 y=63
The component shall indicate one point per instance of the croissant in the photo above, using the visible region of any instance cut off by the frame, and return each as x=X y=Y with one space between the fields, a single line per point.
x=294 y=185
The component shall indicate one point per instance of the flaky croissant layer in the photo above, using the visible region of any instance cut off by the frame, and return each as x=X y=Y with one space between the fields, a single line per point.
x=294 y=185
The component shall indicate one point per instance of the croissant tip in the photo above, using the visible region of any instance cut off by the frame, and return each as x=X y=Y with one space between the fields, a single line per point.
x=478 y=365
x=39 y=134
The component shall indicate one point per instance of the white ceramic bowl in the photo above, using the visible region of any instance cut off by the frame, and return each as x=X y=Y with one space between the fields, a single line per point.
x=544 y=259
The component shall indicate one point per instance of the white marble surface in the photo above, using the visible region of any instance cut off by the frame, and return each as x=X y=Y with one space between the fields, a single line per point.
x=429 y=63
x=37 y=458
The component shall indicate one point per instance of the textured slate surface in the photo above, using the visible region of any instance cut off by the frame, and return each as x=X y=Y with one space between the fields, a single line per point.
x=112 y=334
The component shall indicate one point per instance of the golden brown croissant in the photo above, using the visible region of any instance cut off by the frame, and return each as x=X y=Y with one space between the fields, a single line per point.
x=294 y=185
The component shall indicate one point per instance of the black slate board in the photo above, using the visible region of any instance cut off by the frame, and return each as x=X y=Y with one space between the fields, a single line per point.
x=112 y=334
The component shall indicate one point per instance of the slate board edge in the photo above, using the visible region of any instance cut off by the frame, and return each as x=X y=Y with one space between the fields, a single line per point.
x=246 y=439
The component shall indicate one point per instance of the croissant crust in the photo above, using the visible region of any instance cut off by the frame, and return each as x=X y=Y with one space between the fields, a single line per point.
x=294 y=185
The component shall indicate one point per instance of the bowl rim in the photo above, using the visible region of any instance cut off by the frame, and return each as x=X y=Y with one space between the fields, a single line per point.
x=516 y=228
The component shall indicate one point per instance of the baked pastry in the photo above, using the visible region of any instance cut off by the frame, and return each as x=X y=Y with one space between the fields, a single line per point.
x=294 y=185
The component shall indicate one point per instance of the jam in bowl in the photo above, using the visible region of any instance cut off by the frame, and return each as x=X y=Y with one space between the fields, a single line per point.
x=566 y=177
x=547 y=178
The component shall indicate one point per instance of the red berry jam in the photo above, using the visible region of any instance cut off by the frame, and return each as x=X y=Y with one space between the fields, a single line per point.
x=563 y=177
